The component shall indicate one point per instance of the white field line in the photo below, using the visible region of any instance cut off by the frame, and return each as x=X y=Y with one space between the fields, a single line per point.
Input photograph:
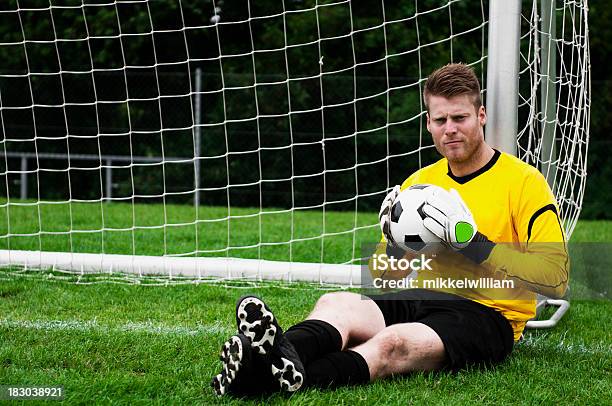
x=93 y=326
x=545 y=343
x=539 y=342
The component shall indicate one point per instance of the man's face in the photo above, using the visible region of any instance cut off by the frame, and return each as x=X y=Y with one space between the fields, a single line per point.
x=456 y=126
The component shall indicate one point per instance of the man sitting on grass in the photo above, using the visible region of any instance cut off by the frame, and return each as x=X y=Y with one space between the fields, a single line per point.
x=509 y=213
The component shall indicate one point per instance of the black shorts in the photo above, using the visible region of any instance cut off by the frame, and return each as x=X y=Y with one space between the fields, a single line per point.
x=472 y=333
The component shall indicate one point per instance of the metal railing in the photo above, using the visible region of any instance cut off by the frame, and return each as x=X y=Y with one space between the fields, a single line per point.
x=106 y=163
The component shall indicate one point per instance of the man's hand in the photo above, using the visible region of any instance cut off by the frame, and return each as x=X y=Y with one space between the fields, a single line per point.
x=384 y=215
x=449 y=218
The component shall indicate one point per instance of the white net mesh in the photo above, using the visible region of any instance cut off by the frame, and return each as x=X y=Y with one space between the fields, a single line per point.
x=239 y=129
x=555 y=99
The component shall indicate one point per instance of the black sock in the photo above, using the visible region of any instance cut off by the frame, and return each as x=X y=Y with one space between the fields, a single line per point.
x=313 y=339
x=336 y=369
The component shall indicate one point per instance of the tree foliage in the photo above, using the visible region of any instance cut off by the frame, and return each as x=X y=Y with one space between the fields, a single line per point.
x=128 y=82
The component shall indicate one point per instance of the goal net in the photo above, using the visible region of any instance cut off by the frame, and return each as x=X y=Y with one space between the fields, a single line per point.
x=179 y=141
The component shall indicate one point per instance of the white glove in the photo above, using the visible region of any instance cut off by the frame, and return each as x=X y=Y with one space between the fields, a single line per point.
x=384 y=215
x=449 y=218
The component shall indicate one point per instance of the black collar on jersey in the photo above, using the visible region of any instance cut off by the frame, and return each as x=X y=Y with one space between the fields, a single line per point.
x=464 y=179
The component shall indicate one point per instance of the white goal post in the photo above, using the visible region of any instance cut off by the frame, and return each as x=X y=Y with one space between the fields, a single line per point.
x=207 y=140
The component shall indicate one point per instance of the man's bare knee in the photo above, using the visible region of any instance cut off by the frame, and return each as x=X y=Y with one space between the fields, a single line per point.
x=393 y=351
x=421 y=348
x=336 y=300
x=338 y=309
x=354 y=316
x=403 y=348
x=391 y=343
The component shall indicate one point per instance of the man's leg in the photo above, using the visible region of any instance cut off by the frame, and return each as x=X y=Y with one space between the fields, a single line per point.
x=401 y=348
x=356 y=317
x=339 y=320
x=344 y=340
x=428 y=331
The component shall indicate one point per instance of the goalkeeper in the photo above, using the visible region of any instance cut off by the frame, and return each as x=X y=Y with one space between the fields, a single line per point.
x=498 y=219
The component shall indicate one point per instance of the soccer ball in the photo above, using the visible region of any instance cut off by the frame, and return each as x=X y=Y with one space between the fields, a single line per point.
x=407 y=217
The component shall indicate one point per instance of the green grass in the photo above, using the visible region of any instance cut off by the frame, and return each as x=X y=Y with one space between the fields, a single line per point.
x=134 y=344
x=153 y=229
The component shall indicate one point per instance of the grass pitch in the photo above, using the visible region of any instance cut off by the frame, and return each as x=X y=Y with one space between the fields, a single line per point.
x=134 y=344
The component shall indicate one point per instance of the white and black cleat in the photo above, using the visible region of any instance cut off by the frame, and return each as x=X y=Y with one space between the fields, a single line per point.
x=232 y=357
x=220 y=384
x=257 y=322
x=289 y=378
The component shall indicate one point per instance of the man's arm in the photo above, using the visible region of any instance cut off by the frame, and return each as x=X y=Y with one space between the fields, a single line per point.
x=539 y=262
x=542 y=265
x=543 y=268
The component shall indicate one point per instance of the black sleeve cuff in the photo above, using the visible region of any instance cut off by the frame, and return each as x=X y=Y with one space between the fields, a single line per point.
x=479 y=248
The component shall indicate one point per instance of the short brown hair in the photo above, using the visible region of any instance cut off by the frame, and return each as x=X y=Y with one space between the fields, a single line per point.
x=451 y=80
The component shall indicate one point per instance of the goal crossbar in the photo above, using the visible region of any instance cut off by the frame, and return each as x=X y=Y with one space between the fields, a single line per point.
x=192 y=268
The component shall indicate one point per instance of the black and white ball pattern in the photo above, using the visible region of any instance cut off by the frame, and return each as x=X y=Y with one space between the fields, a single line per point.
x=407 y=217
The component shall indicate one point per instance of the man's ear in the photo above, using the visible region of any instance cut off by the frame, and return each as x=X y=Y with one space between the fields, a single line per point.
x=427 y=115
x=482 y=115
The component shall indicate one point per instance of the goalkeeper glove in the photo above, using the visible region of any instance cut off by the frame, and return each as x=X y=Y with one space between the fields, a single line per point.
x=449 y=218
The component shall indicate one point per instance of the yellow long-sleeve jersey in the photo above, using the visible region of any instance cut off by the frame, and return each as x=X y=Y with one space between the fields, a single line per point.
x=514 y=208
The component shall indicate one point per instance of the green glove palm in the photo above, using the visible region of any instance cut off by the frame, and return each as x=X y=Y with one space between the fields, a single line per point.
x=449 y=218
